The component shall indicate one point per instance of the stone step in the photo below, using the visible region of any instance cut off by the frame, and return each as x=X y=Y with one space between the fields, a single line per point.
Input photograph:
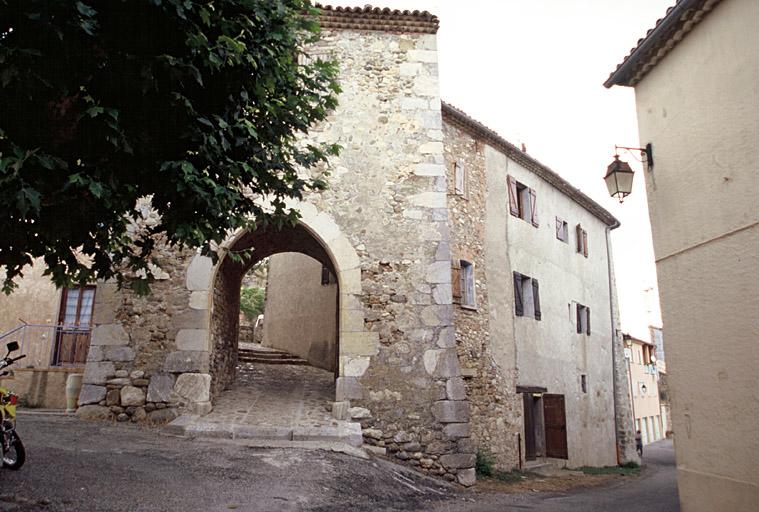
x=264 y=355
x=293 y=360
x=195 y=426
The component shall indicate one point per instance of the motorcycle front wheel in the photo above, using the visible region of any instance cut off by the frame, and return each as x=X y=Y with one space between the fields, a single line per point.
x=15 y=456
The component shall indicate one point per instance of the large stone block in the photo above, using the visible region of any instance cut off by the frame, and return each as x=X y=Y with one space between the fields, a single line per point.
x=132 y=396
x=118 y=353
x=199 y=300
x=159 y=389
x=430 y=200
x=359 y=343
x=455 y=389
x=457 y=430
x=467 y=477
x=430 y=359
x=94 y=354
x=199 y=273
x=458 y=460
x=186 y=361
x=353 y=366
x=442 y=294
x=348 y=388
x=91 y=394
x=446 y=338
x=192 y=339
x=194 y=387
x=439 y=272
x=447 y=364
x=109 y=334
x=98 y=372
x=163 y=415
x=93 y=412
x=190 y=319
x=451 y=411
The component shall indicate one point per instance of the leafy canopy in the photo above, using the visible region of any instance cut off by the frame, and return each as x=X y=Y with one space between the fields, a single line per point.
x=198 y=106
x=252 y=301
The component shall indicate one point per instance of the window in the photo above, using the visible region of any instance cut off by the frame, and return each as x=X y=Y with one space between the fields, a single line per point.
x=583 y=319
x=582 y=241
x=562 y=230
x=72 y=337
x=584 y=383
x=647 y=354
x=462 y=283
x=522 y=201
x=459 y=180
x=526 y=296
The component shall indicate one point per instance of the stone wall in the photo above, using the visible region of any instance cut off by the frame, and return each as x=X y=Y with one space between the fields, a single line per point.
x=490 y=386
x=382 y=226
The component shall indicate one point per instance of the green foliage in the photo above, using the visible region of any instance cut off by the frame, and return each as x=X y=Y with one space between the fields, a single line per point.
x=197 y=105
x=483 y=465
x=252 y=301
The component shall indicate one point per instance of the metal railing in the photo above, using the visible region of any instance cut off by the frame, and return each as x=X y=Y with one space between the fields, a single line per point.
x=49 y=345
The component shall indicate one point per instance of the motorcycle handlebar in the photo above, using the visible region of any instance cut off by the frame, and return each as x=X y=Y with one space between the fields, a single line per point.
x=14 y=359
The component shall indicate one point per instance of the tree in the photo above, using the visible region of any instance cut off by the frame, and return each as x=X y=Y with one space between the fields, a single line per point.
x=196 y=107
x=252 y=300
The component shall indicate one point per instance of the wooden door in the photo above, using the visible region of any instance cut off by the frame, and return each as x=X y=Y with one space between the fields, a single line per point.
x=530 y=448
x=73 y=333
x=555 y=420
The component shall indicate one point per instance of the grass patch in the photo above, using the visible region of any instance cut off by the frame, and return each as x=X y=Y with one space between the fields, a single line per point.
x=483 y=466
x=628 y=469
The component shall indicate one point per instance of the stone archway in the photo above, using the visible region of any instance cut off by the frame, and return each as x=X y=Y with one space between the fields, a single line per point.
x=215 y=289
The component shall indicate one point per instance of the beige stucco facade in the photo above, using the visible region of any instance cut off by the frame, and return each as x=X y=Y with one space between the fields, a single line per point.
x=301 y=312
x=699 y=107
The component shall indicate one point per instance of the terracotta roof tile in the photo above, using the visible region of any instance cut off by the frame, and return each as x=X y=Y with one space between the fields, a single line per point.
x=668 y=31
x=460 y=119
x=376 y=18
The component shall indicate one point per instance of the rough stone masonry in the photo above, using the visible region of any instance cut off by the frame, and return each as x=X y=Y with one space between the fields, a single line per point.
x=382 y=227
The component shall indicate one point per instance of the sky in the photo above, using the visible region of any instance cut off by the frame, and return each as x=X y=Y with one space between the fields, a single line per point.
x=532 y=70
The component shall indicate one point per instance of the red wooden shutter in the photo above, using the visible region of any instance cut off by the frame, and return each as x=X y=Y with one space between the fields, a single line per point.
x=533 y=208
x=578 y=230
x=513 y=203
x=579 y=319
x=518 y=305
x=456 y=281
x=587 y=320
x=584 y=243
x=536 y=298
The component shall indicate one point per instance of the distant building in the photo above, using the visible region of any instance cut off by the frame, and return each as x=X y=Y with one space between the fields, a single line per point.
x=695 y=76
x=644 y=388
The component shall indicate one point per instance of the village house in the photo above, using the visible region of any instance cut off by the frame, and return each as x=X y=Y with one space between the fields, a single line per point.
x=695 y=76
x=642 y=364
x=460 y=291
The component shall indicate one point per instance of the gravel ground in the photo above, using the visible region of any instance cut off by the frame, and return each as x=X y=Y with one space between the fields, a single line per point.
x=74 y=465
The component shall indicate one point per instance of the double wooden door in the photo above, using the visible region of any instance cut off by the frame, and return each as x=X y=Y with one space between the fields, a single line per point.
x=545 y=426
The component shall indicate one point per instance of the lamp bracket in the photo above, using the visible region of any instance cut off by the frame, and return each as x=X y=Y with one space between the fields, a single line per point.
x=647 y=153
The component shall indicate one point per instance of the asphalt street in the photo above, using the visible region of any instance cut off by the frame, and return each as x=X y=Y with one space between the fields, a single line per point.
x=74 y=465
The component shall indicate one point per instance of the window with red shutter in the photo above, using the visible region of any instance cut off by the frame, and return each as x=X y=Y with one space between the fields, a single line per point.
x=456 y=281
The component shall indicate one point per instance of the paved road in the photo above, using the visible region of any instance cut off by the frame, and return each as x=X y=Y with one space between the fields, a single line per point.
x=80 y=466
x=654 y=491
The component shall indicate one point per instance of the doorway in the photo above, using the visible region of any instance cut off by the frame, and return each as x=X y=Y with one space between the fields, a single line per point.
x=545 y=426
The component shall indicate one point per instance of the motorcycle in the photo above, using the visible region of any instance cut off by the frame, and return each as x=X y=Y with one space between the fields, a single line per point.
x=11 y=448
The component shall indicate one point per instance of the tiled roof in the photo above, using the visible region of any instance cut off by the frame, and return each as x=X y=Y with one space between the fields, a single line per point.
x=668 y=31
x=376 y=18
x=458 y=118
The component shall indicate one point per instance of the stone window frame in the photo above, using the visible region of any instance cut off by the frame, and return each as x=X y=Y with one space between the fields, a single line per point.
x=468 y=285
x=582 y=319
x=526 y=296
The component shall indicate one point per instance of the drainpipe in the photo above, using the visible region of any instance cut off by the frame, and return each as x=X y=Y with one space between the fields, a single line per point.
x=610 y=270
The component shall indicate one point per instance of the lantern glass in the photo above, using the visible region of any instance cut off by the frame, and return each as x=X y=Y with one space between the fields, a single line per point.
x=619 y=178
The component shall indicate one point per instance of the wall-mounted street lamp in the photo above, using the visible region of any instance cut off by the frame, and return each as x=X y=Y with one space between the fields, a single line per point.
x=619 y=174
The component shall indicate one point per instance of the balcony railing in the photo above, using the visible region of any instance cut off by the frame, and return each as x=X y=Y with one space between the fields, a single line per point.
x=49 y=345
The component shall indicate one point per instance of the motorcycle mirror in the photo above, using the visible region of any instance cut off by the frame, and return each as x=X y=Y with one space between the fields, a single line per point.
x=12 y=346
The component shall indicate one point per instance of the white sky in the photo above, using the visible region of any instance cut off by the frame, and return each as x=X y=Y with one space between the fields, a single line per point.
x=532 y=70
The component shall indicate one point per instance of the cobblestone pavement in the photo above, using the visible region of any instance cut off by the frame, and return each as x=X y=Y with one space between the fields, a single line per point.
x=277 y=395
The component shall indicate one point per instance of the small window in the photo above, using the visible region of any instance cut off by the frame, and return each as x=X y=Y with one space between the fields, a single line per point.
x=584 y=383
x=583 y=319
x=526 y=296
x=463 y=283
x=459 y=180
x=328 y=277
x=582 y=241
x=523 y=202
x=562 y=230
